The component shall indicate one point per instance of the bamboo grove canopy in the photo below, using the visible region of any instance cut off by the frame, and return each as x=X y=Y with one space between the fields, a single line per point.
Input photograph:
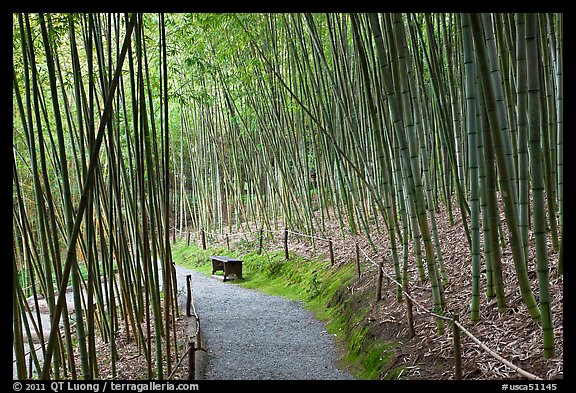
x=129 y=126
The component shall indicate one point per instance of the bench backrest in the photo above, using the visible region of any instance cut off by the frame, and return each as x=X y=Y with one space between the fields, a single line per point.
x=222 y=258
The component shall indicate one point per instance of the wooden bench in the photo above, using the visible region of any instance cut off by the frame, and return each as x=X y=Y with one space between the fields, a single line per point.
x=228 y=265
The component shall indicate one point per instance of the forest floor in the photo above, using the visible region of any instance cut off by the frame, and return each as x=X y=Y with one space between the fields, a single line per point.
x=428 y=355
x=131 y=363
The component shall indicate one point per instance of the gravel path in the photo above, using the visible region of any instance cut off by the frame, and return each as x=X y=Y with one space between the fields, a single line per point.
x=251 y=335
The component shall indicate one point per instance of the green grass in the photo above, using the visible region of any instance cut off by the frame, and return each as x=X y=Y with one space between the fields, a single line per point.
x=319 y=286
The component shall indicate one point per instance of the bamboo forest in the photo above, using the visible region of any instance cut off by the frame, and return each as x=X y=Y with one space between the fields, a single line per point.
x=399 y=174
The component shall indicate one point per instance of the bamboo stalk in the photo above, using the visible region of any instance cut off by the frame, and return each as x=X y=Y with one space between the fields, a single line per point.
x=75 y=230
x=538 y=185
x=508 y=191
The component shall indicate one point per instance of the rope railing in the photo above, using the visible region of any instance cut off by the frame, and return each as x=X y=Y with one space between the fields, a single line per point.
x=414 y=301
x=453 y=319
x=496 y=356
x=191 y=348
x=216 y=234
x=459 y=325
x=310 y=236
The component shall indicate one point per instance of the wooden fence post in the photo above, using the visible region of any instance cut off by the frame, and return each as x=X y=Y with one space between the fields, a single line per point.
x=203 y=236
x=379 y=285
x=409 y=316
x=188 y=239
x=331 y=249
x=188 y=295
x=357 y=259
x=191 y=361
x=457 y=348
x=227 y=242
x=286 y=243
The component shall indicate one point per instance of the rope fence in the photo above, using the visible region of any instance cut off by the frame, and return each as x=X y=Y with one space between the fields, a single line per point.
x=409 y=300
x=457 y=326
x=192 y=347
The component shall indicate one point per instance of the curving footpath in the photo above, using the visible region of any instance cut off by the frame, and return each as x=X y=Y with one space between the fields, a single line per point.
x=251 y=335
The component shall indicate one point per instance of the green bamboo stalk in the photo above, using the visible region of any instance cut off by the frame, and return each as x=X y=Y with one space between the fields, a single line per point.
x=29 y=254
x=470 y=88
x=446 y=126
x=81 y=98
x=548 y=115
x=537 y=177
x=81 y=208
x=49 y=289
x=170 y=273
x=560 y=132
x=18 y=343
x=418 y=198
x=521 y=113
x=505 y=59
x=53 y=229
x=424 y=158
x=68 y=208
x=152 y=164
x=403 y=172
x=381 y=152
x=148 y=235
x=508 y=191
